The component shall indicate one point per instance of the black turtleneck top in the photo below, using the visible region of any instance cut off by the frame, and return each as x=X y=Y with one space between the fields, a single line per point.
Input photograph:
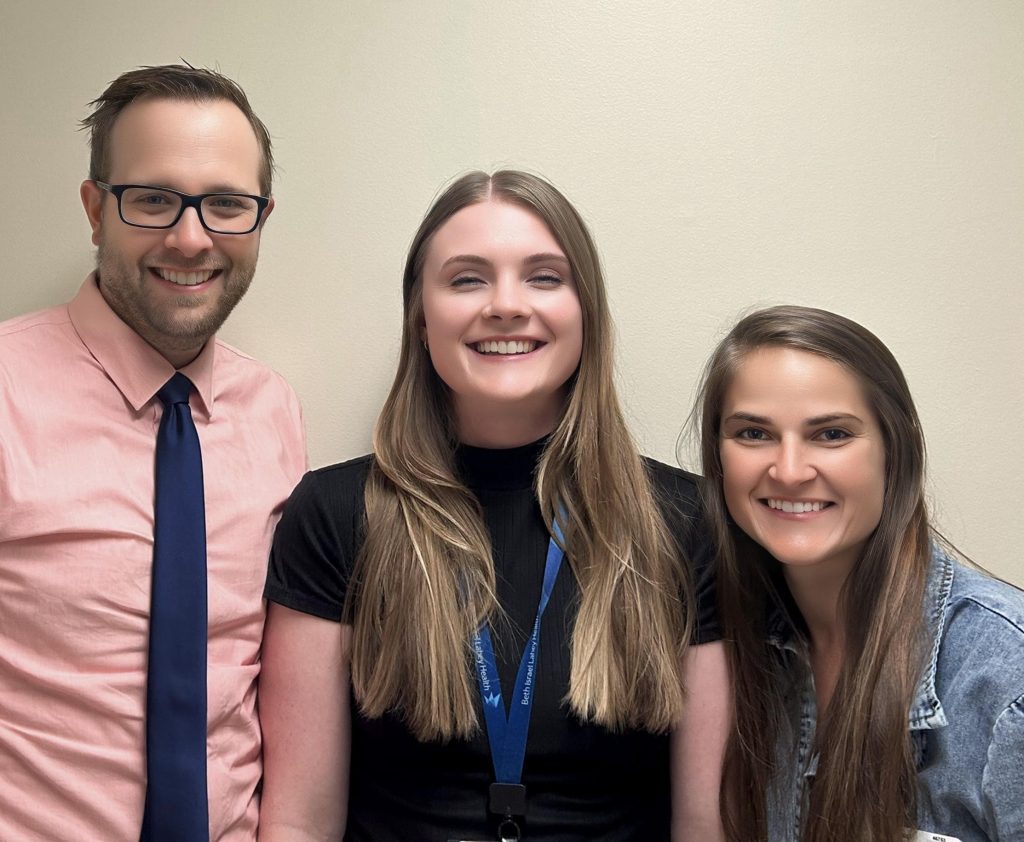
x=583 y=781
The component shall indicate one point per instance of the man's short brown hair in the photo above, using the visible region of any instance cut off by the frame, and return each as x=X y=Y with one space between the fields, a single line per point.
x=169 y=81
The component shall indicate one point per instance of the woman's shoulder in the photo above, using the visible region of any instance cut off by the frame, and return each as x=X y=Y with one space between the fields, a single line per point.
x=978 y=729
x=981 y=655
x=333 y=493
x=672 y=482
x=351 y=471
x=318 y=538
x=341 y=481
x=987 y=602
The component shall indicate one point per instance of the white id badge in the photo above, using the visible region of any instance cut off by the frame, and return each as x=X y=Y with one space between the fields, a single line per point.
x=928 y=836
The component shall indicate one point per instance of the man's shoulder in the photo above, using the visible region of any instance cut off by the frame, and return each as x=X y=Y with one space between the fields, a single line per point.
x=245 y=386
x=235 y=359
x=35 y=343
x=22 y=328
x=235 y=369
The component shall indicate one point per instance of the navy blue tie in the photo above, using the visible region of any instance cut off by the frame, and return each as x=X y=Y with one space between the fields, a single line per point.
x=176 y=799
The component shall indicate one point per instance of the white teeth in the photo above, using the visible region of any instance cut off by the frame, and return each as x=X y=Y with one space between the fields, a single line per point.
x=795 y=507
x=187 y=279
x=505 y=347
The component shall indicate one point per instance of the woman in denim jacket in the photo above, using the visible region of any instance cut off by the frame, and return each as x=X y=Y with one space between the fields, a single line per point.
x=877 y=682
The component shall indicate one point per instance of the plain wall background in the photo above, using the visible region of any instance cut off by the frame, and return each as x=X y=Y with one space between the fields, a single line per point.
x=865 y=156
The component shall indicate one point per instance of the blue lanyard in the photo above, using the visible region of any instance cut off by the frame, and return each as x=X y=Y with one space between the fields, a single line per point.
x=507 y=736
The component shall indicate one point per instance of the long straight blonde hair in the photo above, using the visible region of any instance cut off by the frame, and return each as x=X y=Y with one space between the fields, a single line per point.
x=424 y=579
x=866 y=782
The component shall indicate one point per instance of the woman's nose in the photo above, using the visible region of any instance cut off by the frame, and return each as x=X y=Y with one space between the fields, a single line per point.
x=792 y=465
x=509 y=299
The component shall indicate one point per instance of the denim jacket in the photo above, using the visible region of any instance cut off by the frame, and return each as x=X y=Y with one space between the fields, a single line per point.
x=966 y=722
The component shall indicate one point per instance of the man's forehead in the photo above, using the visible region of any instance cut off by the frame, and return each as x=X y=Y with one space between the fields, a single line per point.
x=195 y=146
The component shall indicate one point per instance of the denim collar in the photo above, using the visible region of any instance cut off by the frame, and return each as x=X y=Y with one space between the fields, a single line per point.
x=926 y=711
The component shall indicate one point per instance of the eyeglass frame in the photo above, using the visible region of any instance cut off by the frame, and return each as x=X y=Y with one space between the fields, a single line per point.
x=188 y=200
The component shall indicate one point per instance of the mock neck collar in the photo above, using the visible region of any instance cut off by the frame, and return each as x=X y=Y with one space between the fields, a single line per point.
x=508 y=469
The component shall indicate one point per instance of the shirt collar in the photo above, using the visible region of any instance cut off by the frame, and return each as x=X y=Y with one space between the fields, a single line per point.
x=926 y=712
x=780 y=633
x=134 y=366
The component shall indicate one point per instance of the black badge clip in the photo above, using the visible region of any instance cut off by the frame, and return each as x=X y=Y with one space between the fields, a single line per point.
x=508 y=799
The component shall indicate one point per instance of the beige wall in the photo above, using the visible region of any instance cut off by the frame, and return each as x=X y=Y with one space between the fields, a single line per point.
x=860 y=155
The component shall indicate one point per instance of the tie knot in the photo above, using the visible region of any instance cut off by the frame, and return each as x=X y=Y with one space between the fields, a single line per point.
x=175 y=390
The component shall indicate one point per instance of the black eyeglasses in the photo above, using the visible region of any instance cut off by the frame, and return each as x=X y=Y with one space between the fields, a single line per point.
x=159 y=207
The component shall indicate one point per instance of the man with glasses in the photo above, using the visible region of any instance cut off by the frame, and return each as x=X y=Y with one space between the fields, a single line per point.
x=143 y=465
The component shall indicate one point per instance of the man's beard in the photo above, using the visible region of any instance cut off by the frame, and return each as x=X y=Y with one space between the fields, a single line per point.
x=167 y=325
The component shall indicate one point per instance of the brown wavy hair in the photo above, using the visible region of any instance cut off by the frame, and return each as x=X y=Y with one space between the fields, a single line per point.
x=424 y=579
x=866 y=782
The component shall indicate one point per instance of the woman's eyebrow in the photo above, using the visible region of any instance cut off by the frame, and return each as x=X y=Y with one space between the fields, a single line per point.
x=474 y=259
x=830 y=418
x=827 y=418
x=748 y=417
x=546 y=257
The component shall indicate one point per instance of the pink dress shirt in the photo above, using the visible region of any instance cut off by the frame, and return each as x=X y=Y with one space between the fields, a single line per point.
x=78 y=422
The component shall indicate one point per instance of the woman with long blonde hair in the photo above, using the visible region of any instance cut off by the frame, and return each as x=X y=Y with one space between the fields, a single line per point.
x=517 y=589
x=877 y=682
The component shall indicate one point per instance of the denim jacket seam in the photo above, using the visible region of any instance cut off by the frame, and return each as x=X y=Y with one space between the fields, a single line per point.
x=974 y=600
x=926 y=710
x=1014 y=708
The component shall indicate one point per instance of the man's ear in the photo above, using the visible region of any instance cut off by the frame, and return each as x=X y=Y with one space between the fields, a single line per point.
x=92 y=201
x=266 y=213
